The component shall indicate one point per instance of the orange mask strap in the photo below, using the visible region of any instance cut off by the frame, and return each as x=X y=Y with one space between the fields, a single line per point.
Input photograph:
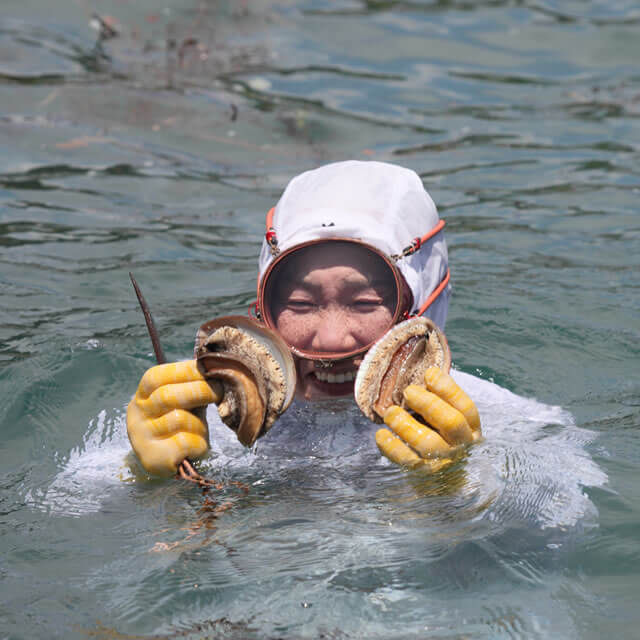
x=412 y=248
x=270 y=234
x=416 y=243
x=435 y=293
x=272 y=240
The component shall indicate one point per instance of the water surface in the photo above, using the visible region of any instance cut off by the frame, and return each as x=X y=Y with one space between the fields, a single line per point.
x=159 y=151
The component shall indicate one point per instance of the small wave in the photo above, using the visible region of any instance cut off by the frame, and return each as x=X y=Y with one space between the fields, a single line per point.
x=92 y=473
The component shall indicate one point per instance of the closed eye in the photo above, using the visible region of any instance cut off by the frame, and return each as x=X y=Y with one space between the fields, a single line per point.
x=300 y=305
x=368 y=304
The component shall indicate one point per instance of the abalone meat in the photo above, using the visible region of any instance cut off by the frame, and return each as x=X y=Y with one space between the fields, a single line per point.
x=397 y=360
x=254 y=366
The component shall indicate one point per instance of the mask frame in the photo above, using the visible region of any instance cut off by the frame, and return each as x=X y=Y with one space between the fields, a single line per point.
x=403 y=301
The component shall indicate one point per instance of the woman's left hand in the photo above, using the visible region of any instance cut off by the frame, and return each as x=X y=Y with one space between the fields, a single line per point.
x=452 y=423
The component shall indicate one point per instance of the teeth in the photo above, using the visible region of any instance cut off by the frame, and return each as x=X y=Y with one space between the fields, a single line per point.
x=336 y=378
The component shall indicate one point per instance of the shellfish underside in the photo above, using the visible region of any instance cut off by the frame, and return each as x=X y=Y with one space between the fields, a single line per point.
x=398 y=359
x=254 y=366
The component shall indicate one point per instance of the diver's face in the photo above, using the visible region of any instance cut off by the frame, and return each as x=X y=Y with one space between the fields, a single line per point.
x=332 y=298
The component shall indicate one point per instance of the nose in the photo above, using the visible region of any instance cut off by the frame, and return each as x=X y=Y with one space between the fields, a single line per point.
x=333 y=333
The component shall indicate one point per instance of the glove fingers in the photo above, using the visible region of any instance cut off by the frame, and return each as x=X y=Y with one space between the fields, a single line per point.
x=178 y=421
x=162 y=444
x=421 y=438
x=170 y=373
x=440 y=415
x=399 y=453
x=444 y=386
x=164 y=456
x=185 y=395
x=188 y=445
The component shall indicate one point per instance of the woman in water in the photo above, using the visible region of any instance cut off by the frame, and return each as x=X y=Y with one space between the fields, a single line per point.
x=352 y=249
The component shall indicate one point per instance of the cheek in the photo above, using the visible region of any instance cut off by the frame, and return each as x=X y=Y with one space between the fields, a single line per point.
x=373 y=325
x=296 y=330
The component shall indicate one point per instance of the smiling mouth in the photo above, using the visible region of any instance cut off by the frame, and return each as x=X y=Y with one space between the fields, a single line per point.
x=335 y=378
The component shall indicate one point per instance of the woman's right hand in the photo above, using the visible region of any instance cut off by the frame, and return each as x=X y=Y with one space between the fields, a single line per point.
x=162 y=429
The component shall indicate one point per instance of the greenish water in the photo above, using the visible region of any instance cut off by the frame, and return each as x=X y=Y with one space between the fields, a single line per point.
x=159 y=152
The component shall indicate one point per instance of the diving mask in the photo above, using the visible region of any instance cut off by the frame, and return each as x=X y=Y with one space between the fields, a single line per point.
x=371 y=266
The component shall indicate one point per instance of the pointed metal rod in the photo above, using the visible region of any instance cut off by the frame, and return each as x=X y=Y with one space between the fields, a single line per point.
x=151 y=326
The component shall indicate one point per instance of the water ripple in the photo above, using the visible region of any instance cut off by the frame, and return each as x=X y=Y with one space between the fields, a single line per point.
x=161 y=154
x=38 y=53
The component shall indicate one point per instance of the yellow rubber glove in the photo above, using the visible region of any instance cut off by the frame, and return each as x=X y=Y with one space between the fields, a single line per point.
x=452 y=419
x=162 y=429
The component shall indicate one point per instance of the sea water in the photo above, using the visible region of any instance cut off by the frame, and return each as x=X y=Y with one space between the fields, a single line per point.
x=159 y=151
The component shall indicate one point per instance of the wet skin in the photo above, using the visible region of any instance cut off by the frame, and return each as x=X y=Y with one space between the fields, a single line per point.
x=332 y=298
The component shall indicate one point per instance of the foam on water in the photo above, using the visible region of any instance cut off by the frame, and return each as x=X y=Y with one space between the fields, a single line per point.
x=532 y=466
x=91 y=472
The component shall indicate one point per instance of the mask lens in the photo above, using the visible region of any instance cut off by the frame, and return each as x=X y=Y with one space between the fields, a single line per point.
x=332 y=299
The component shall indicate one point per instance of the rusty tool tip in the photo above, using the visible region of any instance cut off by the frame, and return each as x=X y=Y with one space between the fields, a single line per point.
x=148 y=318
